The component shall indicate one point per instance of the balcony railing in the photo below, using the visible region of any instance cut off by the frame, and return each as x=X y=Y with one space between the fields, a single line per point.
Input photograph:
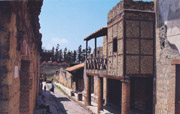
x=96 y=63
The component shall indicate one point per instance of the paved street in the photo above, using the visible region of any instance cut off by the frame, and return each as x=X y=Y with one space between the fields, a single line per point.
x=61 y=104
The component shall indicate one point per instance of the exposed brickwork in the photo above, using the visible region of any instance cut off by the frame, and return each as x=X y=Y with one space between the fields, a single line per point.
x=14 y=31
x=105 y=89
x=88 y=91
x=132 y=23
x=129 y=47
x=100 y=94
x=165 y=54
x=129 y=5
x=125 y=98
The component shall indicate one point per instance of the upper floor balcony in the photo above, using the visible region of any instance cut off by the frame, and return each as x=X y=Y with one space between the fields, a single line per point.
x=128 y=45
x=96 y=63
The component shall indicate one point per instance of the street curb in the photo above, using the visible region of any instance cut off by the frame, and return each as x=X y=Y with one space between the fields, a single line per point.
x=81 y=104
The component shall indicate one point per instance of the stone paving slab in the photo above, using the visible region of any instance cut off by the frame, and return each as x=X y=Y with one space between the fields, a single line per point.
x=93 y=107
x=61 y=104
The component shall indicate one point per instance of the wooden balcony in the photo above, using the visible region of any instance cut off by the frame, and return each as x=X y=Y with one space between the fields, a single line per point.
x=129 y=44
x=96 y=65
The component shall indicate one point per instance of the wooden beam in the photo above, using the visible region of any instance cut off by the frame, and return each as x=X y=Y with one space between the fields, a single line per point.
x=86 y=48
x=95 y=42
x=175 y=61
x=107 y=76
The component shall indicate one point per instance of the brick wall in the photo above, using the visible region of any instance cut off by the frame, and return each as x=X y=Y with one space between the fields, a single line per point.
x=166 y=51
x=132 y=23
x=115 y=59
x=14 y=30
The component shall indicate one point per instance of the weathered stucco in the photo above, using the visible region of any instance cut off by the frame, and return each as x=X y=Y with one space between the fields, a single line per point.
x=167 y=49
x=170 y=16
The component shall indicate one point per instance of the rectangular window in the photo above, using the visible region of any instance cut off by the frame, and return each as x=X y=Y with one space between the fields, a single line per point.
x=115 y=45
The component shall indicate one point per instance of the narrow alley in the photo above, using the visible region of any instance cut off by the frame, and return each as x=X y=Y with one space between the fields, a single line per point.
x=60 y=103
x=89 y=57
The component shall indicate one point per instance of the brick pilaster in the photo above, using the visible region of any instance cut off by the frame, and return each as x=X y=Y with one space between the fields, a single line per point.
x=125 y=109
x=88 y=91
x=100 y=94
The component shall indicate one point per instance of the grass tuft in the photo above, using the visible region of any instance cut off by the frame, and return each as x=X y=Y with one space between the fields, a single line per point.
x=61 y=89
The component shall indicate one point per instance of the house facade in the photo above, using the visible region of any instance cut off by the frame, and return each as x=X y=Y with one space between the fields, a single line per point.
x=167 y=57
x=72 y=77
x=126 y=70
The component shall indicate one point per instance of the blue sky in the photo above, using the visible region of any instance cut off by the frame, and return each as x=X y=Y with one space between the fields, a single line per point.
x=68 y=22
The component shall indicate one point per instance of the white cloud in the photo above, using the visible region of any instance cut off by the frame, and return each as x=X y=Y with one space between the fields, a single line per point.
x=59 y=41
x=49 y=43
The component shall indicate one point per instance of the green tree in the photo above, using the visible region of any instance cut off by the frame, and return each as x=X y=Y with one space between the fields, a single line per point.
x=57 y=53
x=79 y=53
x=74 y=56
x=65 y=54
x=53 y=59
x=60 y=55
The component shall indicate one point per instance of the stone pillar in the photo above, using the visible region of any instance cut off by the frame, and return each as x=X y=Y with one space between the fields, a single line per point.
x=105 y=91
x=125 y=109
x=100 y=94
x=88 y=91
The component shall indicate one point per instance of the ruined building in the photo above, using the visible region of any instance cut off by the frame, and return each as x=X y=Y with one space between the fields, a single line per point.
x=20 y=47
x=167 y=57
x=126 y=70
x=77 y=81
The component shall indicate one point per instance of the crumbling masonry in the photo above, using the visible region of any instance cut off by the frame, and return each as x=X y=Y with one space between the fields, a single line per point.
x=20 y=46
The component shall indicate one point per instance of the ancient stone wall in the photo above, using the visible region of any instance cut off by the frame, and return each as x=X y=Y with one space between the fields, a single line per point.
x=131 y=28
x=65 y=78
x=20 y=40
x=167 y=49
x=129 y=5
x=139 y=44
x=115 y=59
x=105 y=46
x=99 y=52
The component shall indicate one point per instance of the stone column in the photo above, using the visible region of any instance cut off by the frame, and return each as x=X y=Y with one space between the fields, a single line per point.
x=125 y=109
x=105 y=90
x=88 y=91
x=100 y=94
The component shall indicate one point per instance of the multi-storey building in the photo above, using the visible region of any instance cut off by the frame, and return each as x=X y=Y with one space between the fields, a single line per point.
x=127 y=66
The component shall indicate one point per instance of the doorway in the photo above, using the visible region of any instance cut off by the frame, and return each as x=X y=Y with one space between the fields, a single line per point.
x=24 y=87
x=177 y=98
x=141 y=95
x=114 y=93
